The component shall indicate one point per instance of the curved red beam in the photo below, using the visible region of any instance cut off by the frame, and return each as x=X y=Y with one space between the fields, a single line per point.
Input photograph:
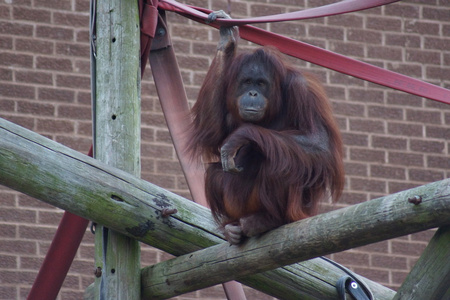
x=322 y=57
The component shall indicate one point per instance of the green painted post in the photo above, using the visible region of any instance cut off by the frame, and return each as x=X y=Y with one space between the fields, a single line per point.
x=117 y=137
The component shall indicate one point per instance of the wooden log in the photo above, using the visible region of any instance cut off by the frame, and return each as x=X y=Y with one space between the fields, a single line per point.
x=339 y=230
x=62 y=177
x=117 y=122
x=430 y=277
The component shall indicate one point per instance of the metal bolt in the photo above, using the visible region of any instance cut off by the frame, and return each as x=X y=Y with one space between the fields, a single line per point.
x=416 y=200
x=165 y=212
x=98 y=272
x=160 y=31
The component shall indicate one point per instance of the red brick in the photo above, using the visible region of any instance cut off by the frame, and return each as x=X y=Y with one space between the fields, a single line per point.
x=388 y=262
x=285 y=28
x=19 y=277
x=424 y=28
x=405 y=11
x=407 y=248
x=54 y=33
x=364 y=36
x=368 y=185
x=421 y=116
x=356 y=169
x=50 y=217
x=30 y=263
x=55 y=64
x=17 y=91
x=423 y=56
x=76 y=143
x=436 y=43
x=347 y=49
x=384 y=24
x=395 y=143
x=423 y=236
x=395 y=187
x=439 y=162
x=82 y=36
x=387 y=172
x=405 y=129
x=438 y=132
x=164 y=181
x=17 y=247
x=25 y=122
x=55 y=126
x=6 y=75
x=403 y=40
x=8 y=292
x=385 y=53
x=50 y=59
x=56 y=95
x=35 y=15
x=406 y=159
x=427 y=146
x=7 y=231
x=54 y=4
x=367 y=155
x=425 y=175
x=411 y=70
x=36 y=233
x=16 y=29
x=74 y=112
x=6 y=42
x=70 y=81
x=71 y=19
x=34 y=77
x=257 y=10
x=7 y=105
x=347 y=109
x=329 y=33
x=16 y=60
x=386 y=112
x=353 y=139
x=337 y=78
x=381 y=276
x=72 y=50
x=351 y=258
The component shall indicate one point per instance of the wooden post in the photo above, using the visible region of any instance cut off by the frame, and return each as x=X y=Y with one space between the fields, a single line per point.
x=430 y=277
x=117 y=137
x=60 y=176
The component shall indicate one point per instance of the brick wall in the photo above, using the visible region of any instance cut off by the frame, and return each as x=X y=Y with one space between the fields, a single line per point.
x=393 y=141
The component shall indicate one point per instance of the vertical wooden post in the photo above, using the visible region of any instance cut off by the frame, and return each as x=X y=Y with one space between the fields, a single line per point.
x=117 y=137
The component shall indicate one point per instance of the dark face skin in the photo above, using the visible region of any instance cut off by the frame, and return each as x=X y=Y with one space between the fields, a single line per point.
x=252 y=92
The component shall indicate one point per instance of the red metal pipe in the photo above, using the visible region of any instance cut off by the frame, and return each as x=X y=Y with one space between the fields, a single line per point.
x=59 y=257
x=174 y=103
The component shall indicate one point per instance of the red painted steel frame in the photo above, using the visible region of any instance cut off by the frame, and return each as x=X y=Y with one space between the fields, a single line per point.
x=72 y=228
x=174 y=103
x=59 y=257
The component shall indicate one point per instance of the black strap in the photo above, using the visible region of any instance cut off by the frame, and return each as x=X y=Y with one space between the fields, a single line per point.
x=347 y=283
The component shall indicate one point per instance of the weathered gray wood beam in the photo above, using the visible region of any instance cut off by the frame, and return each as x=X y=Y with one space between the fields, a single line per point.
x=74 y=182
x=117 y=136
x=62 y=177
x=338 y=230
x=430 y=277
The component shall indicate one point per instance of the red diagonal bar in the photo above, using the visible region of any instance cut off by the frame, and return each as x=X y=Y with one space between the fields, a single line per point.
x=337 y=8
x=59 y=256
x=328 y=59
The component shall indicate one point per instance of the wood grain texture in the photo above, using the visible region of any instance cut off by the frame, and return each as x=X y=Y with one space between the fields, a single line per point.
x=62 y=177
x=430 y=277
x=117 y=123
